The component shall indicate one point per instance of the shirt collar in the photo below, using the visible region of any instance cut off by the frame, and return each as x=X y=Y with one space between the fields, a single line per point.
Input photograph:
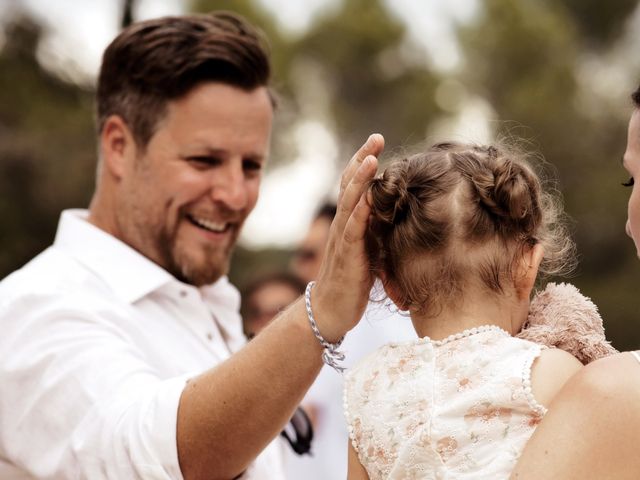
x=129 y=274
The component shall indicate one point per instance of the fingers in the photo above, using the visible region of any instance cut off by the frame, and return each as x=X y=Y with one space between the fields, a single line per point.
x=353 y=194
x=345 y=280
x=356 y=226
x=373 y=146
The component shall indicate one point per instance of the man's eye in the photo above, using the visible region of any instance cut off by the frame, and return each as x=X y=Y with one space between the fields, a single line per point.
x=204 y=160
x=628 y=183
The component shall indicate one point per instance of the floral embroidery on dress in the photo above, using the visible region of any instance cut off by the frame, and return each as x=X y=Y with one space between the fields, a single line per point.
x=487 y=412
x=446 y=448
x=430 y=410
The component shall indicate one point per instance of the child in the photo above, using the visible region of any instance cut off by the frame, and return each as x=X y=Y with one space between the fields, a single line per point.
x=457 y=235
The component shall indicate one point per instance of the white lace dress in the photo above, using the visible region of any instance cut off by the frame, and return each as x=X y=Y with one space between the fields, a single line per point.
x=459 y=408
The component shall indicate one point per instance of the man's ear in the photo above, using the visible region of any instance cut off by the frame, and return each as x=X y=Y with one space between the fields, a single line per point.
x=528 y=270
x=117 y=146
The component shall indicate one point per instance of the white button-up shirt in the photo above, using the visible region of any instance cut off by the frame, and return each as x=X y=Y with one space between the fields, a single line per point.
x=96 y=345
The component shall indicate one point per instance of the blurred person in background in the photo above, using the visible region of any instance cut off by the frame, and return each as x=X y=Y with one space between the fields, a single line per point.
x=121 y=354
x=266 y=297
x=307 y=258
x=324 y=400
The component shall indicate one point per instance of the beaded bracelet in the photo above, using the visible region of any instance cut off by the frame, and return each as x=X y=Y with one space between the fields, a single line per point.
x=331 y=356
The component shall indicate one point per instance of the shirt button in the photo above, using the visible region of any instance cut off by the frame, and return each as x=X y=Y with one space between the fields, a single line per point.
x=183 y=293
x=209 y=336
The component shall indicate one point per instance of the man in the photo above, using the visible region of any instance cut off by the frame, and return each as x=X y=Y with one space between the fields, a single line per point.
x=120 y=353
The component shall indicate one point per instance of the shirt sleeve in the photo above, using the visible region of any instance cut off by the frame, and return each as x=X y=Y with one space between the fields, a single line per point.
x=78 y=400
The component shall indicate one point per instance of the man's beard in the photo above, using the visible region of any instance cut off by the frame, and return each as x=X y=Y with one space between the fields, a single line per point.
x=187 y=269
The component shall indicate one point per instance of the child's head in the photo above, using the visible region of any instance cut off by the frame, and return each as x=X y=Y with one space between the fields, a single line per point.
x=458 y=217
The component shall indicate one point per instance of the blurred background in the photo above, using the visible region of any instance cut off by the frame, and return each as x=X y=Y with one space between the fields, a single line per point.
x=556 y=72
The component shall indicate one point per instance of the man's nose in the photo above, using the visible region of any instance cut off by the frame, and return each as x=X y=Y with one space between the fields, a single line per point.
x=627 y=228
x=229 y=186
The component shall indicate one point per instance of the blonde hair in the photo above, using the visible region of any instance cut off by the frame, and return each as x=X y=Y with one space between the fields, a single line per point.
x=460 y=214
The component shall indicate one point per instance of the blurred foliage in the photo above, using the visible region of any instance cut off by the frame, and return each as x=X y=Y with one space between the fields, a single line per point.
x=46 y=148
x=523 y=57
x=373 y=88
x=598 y=26
x=355 y=71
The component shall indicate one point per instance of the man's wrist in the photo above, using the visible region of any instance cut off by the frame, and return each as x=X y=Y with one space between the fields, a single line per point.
x=331 y=354
x=326 y=318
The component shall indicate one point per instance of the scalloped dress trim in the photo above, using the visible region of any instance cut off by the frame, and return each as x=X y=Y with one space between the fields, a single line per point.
x=537 y=407
x=453 y=337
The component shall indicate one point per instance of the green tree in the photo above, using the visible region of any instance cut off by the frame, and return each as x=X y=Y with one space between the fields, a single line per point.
x=523 y=57
x=374 y=87
x=47 y=152
x=598 y=26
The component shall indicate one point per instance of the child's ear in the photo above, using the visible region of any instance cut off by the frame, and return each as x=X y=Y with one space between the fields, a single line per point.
x=528 y=271
x=391 y=291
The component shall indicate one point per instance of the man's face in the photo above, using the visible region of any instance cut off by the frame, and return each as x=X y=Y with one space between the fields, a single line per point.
x=185 y=198
x=631 y=162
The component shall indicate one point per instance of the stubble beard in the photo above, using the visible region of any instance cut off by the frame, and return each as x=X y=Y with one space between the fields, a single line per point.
x=203 y=267
x=161 y=244
x=199 y=273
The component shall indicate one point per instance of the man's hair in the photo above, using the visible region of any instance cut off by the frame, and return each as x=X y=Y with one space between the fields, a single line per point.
x=153 y=62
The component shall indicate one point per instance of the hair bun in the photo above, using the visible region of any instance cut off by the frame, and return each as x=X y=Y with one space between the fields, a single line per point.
x=505 y=190
x=390 y=197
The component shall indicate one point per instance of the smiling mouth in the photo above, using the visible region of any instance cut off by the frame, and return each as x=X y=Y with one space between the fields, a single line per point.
x=208 y=225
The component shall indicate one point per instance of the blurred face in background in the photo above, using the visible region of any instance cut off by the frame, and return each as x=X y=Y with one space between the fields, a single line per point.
x=631 y=162
x=265 y=303
x=308 y=256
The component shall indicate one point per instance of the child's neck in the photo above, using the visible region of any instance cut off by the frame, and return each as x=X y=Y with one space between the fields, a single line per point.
x=476 y=312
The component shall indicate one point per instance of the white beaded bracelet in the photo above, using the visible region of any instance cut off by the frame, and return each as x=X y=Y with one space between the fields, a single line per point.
x=331 y=356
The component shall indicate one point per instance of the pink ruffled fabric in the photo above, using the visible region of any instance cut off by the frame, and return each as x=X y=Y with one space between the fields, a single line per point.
x=560 y=316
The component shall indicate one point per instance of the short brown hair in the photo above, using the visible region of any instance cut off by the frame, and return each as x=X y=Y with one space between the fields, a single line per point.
x=460 y=213
x=155 y=61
